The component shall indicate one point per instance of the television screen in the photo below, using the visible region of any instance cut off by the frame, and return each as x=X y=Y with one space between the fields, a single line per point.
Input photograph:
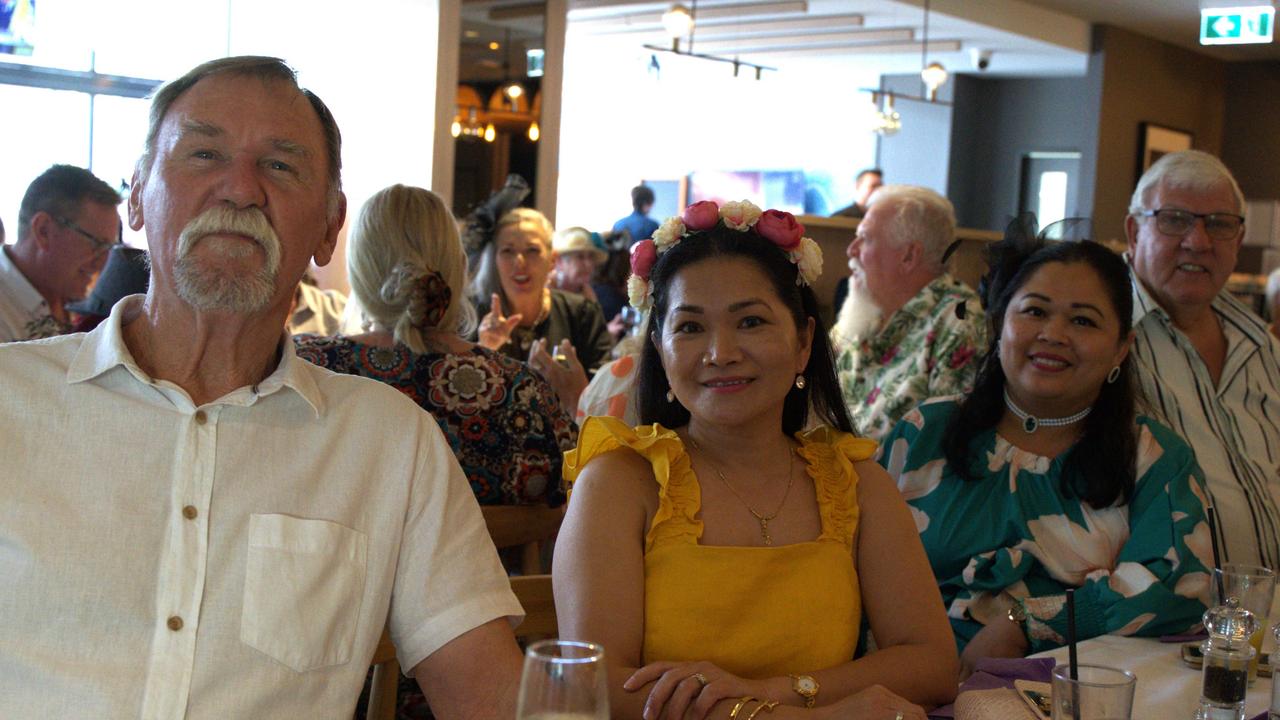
x=17 y=26
x=769 y=189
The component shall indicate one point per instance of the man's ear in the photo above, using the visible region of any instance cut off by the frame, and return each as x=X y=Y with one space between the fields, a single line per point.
x=1131 y=232
x=333 y=228
x=135 y=201
x=41 y=230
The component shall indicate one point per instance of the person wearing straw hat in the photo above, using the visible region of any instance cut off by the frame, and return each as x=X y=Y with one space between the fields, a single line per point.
x=577 y=258
x=1046 y=477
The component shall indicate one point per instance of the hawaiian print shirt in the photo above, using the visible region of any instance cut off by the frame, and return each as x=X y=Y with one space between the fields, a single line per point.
x=24 y=313
x=925 y=350
x=1011 y=536
x=503 y=421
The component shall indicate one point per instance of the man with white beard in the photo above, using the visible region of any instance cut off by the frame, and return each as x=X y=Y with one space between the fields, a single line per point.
x=908 y=330
x=198 y=524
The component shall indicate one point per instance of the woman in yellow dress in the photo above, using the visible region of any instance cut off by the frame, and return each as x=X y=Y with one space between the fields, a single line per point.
x=724 y=558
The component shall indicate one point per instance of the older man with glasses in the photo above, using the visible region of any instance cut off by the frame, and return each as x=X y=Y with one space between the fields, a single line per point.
x=66 y=224
x=1206 y=363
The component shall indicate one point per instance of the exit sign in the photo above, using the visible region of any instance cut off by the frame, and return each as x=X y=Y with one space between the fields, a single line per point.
x=1237 y=26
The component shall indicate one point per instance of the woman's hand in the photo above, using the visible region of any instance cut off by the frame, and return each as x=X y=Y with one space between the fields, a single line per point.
x=679 y=687
x=1002 y=639
x=873 y=703
x=564 y=372
x=495 y=328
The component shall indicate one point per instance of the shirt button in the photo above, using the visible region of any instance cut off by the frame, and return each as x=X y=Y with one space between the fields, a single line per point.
x=189 y=512
x=175 y=623
x=200 y=417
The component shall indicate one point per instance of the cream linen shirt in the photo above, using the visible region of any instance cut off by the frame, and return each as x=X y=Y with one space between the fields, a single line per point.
x=24 y=314
x=233 y=560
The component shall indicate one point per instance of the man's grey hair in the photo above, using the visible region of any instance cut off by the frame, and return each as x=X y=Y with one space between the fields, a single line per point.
x=919 y=214
x=60 y=191
x=1192 y=170
x=265 y=69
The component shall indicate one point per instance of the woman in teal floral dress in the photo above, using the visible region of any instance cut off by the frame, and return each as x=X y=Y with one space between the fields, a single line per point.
x=1045 y=478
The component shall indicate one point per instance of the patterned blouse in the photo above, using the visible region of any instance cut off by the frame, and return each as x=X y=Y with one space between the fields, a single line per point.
x=1011 y=536
x=502 y=419
x=925 y=350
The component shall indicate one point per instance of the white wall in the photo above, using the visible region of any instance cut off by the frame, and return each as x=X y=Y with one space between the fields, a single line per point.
x=621 y=124
x=374 y=64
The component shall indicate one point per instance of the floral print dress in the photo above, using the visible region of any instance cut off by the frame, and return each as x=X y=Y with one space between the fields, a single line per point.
x=502 y=419
x=1011 y=536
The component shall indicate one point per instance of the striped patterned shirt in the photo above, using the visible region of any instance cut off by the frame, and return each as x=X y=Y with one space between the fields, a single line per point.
x=1234 y=427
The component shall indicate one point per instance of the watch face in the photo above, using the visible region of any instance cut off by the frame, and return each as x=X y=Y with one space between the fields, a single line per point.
x=806 y=685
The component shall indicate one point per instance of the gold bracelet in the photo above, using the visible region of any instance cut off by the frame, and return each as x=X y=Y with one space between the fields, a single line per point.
x=733 y=714
x=767 y=706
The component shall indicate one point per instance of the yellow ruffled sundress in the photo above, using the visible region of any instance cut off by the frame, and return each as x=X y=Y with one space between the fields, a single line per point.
x=755 y=611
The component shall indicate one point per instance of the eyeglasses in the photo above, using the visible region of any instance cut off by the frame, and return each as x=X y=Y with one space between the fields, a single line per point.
x=100 y=246
x=1218 y=226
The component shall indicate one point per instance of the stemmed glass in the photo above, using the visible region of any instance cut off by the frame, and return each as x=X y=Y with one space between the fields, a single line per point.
x=563 y=680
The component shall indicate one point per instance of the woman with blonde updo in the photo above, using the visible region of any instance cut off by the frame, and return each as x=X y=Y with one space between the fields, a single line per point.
x=408 y=272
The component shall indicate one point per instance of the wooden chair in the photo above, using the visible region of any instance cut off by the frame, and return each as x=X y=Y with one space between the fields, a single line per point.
x=534 y=594
x=386 y=681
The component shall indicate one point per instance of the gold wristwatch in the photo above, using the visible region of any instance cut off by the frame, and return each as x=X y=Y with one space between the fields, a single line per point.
x=807 y=688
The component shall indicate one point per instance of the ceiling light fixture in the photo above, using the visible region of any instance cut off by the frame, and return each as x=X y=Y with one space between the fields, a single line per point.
x=679 y=22
x=932 y=74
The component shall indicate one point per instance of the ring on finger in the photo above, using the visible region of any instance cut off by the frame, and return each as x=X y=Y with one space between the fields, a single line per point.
x=899 y=716
x=702 y=679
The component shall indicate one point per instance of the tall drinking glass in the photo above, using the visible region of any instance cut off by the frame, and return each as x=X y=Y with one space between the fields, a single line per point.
x=1253 y=586
x=1099 y=693
x=563 y=680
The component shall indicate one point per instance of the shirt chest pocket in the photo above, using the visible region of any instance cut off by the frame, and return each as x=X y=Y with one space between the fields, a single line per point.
x=304 y=580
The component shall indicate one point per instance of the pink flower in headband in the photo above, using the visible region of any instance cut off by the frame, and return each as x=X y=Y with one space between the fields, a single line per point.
x=780 y=228
x=643 y=256
x=702 y=215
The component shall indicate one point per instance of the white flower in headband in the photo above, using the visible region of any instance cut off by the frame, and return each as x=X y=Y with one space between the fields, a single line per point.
x=808 y=258
x=776 y=226
x=739 y=215
x=668 y=233
x=639 y=292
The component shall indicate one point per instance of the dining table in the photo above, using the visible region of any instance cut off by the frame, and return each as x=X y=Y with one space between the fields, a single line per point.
x=1167 y=687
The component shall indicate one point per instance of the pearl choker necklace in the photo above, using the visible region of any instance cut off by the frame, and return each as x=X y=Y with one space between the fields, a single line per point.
x=1030 y=422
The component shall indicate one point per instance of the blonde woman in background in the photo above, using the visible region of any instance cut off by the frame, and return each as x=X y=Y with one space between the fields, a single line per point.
x=408 y=273
x=524 y=318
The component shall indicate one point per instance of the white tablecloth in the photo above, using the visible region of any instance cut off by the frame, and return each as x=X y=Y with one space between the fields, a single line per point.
x=1167 y=688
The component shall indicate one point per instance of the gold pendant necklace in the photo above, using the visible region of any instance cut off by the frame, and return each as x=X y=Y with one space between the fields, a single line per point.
x=760 y=518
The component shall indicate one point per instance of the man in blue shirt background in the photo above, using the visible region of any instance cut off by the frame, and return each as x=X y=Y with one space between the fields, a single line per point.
x=638 y=224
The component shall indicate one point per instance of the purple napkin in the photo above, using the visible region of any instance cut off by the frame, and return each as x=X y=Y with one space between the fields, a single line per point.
x=1000 y=673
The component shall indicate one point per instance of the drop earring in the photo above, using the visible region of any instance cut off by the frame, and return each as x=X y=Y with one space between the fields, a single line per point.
x=800 y=382
x=671 y=397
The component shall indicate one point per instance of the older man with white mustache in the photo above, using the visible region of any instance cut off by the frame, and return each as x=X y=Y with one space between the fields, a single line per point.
x=1208 y=366
x=198 y=524
x=908 y=330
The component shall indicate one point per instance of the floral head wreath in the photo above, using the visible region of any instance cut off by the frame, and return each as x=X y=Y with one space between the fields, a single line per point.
x=776 y=226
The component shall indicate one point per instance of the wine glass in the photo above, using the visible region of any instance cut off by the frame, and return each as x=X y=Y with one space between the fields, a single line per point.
x=563 y=680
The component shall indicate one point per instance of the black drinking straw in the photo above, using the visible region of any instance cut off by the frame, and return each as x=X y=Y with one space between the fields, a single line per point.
x=1073 y=666
x=1071 y=633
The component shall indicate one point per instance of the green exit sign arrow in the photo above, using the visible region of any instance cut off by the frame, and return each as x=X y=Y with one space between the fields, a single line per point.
x=1237 y=26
